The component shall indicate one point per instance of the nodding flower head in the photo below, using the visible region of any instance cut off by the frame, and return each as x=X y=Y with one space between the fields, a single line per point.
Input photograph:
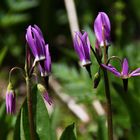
x=36 y=42
x=124 y=74
x=45 y=65
x=102 y=29
x=82 y=47
x=10 y=100
x=44 y=93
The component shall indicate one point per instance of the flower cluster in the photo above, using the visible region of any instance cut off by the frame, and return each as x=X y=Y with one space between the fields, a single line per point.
x=102 y=29
x=39 y=49
x=41 y=57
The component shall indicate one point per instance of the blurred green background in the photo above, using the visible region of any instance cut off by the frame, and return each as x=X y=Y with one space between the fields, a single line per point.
x=51 y=17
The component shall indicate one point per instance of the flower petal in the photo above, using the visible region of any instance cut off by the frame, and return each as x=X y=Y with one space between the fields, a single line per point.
x=135 y=72
x=102 y=22
x=112 y=69
x=125 y=67
x=30 y=41
x=78 y=47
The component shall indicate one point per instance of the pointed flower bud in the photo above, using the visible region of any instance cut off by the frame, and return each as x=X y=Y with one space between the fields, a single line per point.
x=102 y=29
x=44 y=93
x=36 y=42
x=45 y=65
x=82 y=47
x=10 y=100
x=97 y=78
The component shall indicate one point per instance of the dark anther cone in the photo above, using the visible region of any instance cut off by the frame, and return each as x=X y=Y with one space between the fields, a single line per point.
x=88 y=70
x=125 y=84
x=46 y=79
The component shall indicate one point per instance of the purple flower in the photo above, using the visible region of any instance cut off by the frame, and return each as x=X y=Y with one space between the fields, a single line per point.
x=102 y=29
x=44 y=93
x=10 y=102
x=124 y=74
x=82 y=47
x=36 y=42
x=45 y=65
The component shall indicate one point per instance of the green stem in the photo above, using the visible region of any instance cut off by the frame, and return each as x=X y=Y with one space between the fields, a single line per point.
x=109 y=108
x=30 y=112
x=29 y=98
x=107 y=93
x=107 y=90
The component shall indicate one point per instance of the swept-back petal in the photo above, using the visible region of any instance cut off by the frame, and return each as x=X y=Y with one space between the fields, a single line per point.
x=30 y=41
x=135 y=72
x=86 y=45
x=125 y=67
x=112 y=69
x=48 y=59
x=78 y=48
x=40 y=46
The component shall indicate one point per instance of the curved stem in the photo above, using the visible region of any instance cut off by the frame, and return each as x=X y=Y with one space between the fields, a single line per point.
x=114 y=57
x=13 y=69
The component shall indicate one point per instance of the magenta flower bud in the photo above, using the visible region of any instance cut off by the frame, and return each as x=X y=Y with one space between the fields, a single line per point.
x=44 y=93
x=82 y=47
x=45 y=65
x=10 y=100
x=124 y=74
x=36 y=42
x=102 y=29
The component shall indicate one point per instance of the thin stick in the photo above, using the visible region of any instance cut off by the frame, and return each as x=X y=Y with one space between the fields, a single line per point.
x=72 y=16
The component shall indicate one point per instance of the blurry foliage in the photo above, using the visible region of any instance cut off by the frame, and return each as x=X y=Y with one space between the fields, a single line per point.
x=51 y=16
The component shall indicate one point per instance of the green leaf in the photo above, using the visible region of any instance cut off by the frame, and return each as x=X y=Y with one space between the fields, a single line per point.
x=17 y=128
x=21 y=5
x=2 y=54
x=102 y=129
x=3 y=125
x=24 y=123
x=13 y=19
x=41 y=115
x=41 y=119
x=68 y=133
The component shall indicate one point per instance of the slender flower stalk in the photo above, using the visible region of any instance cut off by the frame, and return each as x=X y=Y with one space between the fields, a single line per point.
x=102 y=32
x=29 y=97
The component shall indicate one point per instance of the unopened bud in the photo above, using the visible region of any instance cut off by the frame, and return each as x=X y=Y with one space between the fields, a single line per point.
x=10 y=99
x=96 y=79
